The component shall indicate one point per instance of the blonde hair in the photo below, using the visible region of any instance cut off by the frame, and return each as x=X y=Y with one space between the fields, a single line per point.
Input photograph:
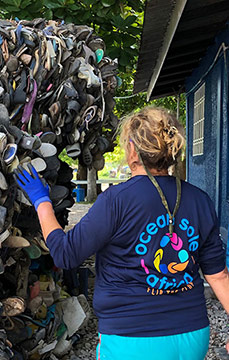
x=157 y=135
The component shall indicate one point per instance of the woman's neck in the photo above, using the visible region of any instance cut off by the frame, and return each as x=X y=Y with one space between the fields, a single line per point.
x=141 y=171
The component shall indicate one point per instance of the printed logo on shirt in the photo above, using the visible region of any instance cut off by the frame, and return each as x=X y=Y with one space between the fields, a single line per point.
x=170 y=260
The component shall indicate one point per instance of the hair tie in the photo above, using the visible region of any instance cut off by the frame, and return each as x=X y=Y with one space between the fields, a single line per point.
x=171 y=131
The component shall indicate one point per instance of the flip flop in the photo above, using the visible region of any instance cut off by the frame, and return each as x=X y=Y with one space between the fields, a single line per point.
x=3 y=182
x=48 y=137
x=58 y=193
x=47 y=150
x=28 y=108
x=98 y=162
x=99 y=55
x=97 y=43
x=72 y=110
x=38 y=163
x=9 y=153
x=15 y=242
x=52 y=163
x=13 y=165
x=13 y=306
x=19 y=96
x=12 y=63
x=3 y=236
x=74 y=150
x=3 y=141
x=33 y=251
x=3 y=214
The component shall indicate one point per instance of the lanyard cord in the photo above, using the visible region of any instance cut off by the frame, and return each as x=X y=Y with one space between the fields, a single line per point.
x=162 y=196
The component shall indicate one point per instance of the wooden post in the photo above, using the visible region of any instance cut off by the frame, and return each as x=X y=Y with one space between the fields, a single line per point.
x=91 y=185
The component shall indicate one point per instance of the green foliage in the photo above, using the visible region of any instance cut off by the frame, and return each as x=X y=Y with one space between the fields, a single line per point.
x=64 y=157
x=118 y=22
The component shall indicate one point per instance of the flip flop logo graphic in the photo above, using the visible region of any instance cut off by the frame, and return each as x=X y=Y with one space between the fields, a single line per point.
x=157 y=259
x=175 y=266
x=176 y=242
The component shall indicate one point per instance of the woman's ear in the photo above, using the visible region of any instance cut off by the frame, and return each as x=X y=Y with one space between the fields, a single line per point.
x=132 y=157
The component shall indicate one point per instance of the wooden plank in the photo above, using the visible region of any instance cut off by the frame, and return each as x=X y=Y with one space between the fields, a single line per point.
x=102 y=181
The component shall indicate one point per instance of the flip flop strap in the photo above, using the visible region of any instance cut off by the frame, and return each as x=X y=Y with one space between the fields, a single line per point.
x=162 y=196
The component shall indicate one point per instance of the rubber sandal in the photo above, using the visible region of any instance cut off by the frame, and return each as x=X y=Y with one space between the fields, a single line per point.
x=15 y=242
x=15 y=132
x=86 y=71
x=3 y=182
x=98 y=162
x=89 y=55
x=74 y=67
x=103 y=144
x=58 y=193
x=64 y=205
x=4 y=116
x=28 y=108
x=5 y=50
x=73 y=137
x=26 y=59
x=4 y=235
x=19 y=96
x=40 y=242
x=89 y=116
x=13 y=165
x=38 y=163
x=55 y=110
x=99 y=53
x=48 y=137
x=13 y=306
x=12 y=63
x=52 y=163
x=3 y=214
x=3 y=141
x=72 y=110
x=74 y=150
x=47 y=150
x=97 y=43
x=33 y=251
x=87 y=156
x=9 y=153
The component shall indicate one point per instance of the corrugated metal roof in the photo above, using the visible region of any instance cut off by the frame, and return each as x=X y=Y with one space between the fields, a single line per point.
x=200 y=22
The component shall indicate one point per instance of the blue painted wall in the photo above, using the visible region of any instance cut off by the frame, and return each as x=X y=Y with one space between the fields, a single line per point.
x=210 y=171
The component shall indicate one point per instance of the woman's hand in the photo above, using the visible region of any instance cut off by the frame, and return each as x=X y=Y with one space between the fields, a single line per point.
x=38 y=194
x=32 y=185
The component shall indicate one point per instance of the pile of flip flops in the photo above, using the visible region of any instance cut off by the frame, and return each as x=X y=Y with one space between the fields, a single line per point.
x=56 y=92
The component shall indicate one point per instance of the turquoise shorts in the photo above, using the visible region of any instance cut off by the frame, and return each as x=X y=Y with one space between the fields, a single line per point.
x=188 y=346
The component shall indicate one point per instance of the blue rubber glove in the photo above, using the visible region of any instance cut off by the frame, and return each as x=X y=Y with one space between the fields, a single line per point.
x=32 y=185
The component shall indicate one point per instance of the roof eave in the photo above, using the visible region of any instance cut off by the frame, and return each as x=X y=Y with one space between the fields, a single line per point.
x=169 y=34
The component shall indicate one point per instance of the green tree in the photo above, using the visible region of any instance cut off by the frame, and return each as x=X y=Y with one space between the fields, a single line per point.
x=119 y=23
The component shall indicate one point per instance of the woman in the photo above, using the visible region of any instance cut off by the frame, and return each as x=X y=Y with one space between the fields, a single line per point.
x=151 y=235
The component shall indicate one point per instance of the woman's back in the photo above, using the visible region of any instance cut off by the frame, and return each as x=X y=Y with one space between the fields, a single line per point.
x=148 y=284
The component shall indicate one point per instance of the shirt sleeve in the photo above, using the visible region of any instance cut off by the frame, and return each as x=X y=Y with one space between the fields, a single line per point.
x=212 y=253
x=92 y=233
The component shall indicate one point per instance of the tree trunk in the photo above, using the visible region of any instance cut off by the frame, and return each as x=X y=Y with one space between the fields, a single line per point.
x=91 y=185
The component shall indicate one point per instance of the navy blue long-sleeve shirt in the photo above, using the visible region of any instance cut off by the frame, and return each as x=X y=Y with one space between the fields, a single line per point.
x=147 y=284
